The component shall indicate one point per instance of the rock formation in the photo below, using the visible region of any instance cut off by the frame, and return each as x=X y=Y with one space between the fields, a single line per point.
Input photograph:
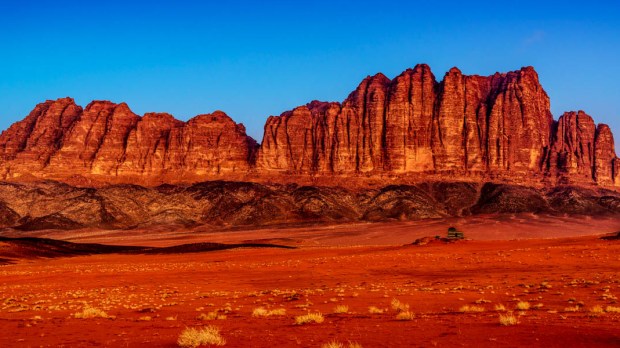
x=498 y=126
x=60 y=140
x=53 y=205
x=470 y=128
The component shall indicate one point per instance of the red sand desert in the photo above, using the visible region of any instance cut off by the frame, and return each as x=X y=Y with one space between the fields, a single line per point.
x=455 y=292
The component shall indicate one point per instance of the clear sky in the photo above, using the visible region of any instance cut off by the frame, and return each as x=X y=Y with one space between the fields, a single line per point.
x=253 y=59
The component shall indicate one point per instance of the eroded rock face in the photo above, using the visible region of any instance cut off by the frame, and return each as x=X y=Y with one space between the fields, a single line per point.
x=470 y=128
x=463 y=126
x=573 y=147
x=60 y=140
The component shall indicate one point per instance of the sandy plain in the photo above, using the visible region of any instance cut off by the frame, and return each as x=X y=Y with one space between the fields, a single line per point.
x=554 y=275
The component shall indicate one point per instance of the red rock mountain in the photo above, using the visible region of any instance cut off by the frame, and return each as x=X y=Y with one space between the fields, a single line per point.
x=413 y=127
x=59 y=140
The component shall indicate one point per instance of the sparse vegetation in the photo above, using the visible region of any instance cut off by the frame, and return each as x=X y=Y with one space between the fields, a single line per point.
x=309 y=318
x=375 y=310
x=399 y=306
x=611 y=309
x=211 y=316
x=91 y=312
x=339 y=309
x=500 y=308
x=469 y=308
x=596 y=310
x=192 y=337
x=508 y=319
x=262 y=312
x=336 y=344
x=523 y=306
x=406 y=315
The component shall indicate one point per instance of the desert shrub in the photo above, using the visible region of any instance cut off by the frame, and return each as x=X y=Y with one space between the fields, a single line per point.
x=523 y=306
x=309 y=318
x=192 y=337
x=406 y=315
x=399 y=306
x=507 y=320
x=91 y=312
x=341 y=309
x=468 y=308
x=375 y=310
x=262 y=312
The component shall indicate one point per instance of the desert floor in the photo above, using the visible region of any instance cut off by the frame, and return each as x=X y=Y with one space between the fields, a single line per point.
x=455 y=292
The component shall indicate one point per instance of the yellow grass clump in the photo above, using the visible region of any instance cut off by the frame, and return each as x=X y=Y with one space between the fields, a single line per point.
x=406 y=315
x=611 y=309
x=375 y=310
x=211 y=316
x=596 y=310
x=399 y=306
x=468 y=308
x=192 y=337
x=341 y=309
x=507 y=320
x=523 y=306
x=91 y=312
x=262 y=312
x=336 y=344
x=309 y=318
x=500 y=308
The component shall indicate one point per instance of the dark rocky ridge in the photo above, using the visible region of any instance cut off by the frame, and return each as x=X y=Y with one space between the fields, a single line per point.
x=54 y=205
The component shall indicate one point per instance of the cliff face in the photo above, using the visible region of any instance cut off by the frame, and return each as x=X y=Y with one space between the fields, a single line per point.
x=463 y=127
x=468 y=126
x=415 y=124
x=59 y=140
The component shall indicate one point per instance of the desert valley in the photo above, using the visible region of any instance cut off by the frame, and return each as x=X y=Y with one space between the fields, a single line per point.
x=146 y=231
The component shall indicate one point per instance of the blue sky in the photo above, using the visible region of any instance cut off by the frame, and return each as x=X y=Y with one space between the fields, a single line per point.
x=253 y=59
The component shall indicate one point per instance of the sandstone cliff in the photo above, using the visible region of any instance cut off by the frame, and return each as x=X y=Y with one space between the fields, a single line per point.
x=413 y=127
x=60 y=140
x=498 y=126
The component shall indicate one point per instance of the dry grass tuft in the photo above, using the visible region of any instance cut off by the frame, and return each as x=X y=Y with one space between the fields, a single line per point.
x=406 y=315
x=336 y=344
x=523 y=306
x=91 y=312
x=399 y=306
x=572 y=309
x=500 y=308
x=468 y=308
x=309 y=318
x=213 y=315
x=611 y=309
x=596 y=310
x=508 y=320
x=375 y=310
x=262 y=312
x=341 y=309
x=192 y=337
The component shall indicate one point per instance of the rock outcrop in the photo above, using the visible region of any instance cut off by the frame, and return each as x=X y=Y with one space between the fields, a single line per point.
x=221 y=204
x=497 y=127
x=60 y=140
x=469 y=128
